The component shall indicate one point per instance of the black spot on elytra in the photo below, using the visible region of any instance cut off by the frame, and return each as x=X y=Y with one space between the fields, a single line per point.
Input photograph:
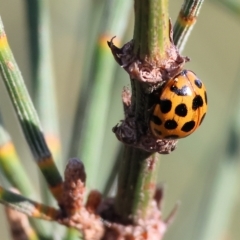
x=157 y=131
x=197 y=102
x=188 y=126
x=170 y=124
x=171 y=137
x=181 y=110
x=156 y=120
x=165 y=105
x=205 y=95
x=184 y=91
x=198 y=83
x=202 y=118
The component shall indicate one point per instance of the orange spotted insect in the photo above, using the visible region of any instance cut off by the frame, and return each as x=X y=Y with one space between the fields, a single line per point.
x=180 y=108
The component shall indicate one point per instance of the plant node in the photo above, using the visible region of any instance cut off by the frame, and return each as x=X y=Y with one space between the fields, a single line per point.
x=147 y=77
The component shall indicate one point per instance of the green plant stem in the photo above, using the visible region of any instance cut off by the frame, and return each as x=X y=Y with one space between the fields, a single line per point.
x=113 y=173
x=27 y=206
x=136 y=183
x=86 y=82
x=151 y=30
x=42 y=70
x=92 y=23
x=43 y=85
x=12 y=167
x=27 y=116
x=13 y=170
x=98 y=101
x=137 y=176
x=185 y=22
x=94 y=124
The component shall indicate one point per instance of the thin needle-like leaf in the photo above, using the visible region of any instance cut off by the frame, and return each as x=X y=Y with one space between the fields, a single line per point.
x=42 y=72
x=12 y=167
x=27 y=116
x=185 y=22
x=43 y=84
x=94 y=122
x=27 y=206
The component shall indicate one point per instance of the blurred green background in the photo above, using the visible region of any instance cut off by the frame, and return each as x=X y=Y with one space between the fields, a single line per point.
x=204 y=172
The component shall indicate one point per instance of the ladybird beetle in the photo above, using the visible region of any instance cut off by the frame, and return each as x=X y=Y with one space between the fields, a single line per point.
x=180 y=108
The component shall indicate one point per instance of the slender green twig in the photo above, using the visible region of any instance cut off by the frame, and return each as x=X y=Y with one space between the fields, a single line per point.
x=137 y=176
x=151 y=28
x=27 y=206
x=92 y=17
x=94 y=122
x=93 y=20
x=185 y=22
x=27 y=116
x=137 y=182
x=43 y=79
x=42 y=71
x=12 y=167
